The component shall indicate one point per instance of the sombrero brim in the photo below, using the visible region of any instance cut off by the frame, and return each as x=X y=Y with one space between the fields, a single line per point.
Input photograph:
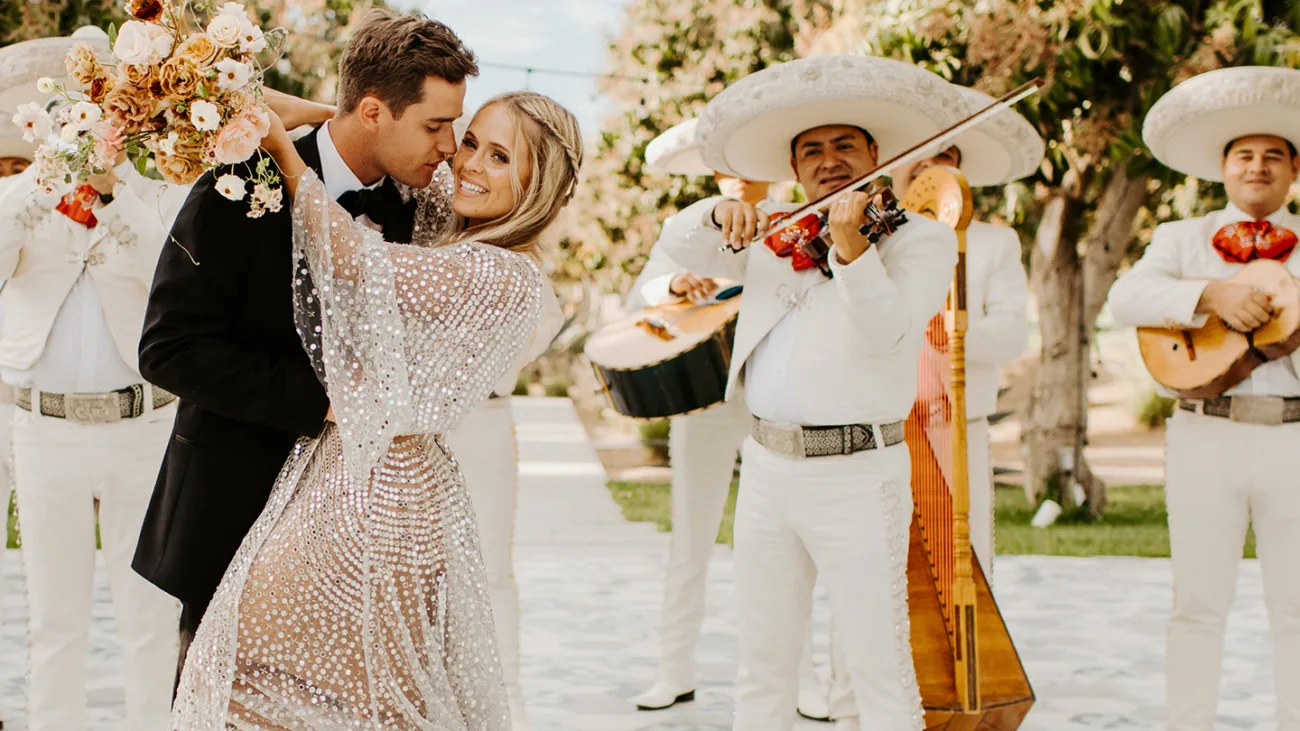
x=1004 y=148
x=23 y=64
x=12 y=146
x=675 y=151
x=747 y=129
x=1188 y=128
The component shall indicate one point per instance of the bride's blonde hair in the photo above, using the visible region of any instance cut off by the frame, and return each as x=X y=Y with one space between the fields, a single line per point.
x=550 y=135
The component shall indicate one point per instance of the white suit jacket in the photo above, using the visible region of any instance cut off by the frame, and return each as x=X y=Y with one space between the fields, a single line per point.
x=859 y=332
x=1164 y=286
x=43 y=253
x=997 y=298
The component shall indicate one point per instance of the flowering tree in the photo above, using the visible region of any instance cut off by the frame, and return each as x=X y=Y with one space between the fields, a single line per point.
x=1105 y=62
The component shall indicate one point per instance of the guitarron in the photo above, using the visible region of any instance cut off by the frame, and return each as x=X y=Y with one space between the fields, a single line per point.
x=1211 y=359
x=967 y=667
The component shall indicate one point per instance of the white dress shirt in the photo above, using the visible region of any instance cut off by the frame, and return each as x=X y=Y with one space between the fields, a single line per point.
x=1165 y=285
x=817 y=351
x=335 y=173
x=80 y=355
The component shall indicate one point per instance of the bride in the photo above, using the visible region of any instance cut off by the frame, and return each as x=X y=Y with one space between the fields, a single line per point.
x=358 y=599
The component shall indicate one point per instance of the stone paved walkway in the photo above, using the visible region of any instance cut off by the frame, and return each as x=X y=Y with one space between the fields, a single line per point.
x=1090 y=631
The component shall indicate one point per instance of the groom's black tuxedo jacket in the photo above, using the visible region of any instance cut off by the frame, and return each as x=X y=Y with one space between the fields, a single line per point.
x=220 y=335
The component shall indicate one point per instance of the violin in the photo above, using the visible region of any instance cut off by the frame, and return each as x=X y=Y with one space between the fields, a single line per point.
x=809 y=234
x=808 y=226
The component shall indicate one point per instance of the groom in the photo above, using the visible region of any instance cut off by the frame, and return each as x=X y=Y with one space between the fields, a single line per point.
x=219 y=329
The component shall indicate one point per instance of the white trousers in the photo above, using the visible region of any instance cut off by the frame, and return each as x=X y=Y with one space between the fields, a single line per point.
x=844 y=519
x=488 y=454
x=61 y=468
x=1220 y=477
x=979 y=459
x=703 y=449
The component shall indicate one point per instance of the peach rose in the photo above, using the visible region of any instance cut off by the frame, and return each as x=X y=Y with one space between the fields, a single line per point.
x=178 y=79
x=137 y=76
x=178 y=169
x=198 y=49
x=258 y=117
x=108 y=140
x=127 y=107
x=82 y=65
x=237 y=141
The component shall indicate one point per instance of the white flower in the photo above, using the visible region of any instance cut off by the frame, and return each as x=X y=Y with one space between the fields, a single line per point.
x=84 y=115
x=226 y=29
x=167 y=145
x=34 y=121
x=142 y=44
x=232 y=74
x=231 y=186
x=269 y=198
x=69 y=133
x=235 y=9
x=46 y=85
x=205 y=116
x=251 y=38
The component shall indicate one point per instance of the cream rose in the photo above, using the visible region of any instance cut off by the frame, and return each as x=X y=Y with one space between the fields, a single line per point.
x=198 y=49
x=177 y=169
x=226 y=29
x=236 y=142
x=142 y=44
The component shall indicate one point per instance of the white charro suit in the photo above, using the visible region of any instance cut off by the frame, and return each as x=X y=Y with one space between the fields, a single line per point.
x=819 y=352
x=487 y=451
x=74 y=308
x=703 y=449
x=1221 y=475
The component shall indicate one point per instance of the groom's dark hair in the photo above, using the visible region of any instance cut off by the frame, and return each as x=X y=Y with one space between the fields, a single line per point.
x=392 y=54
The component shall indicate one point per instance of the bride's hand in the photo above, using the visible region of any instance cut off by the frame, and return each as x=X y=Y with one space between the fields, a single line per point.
x=296 y=112
x=278 y=145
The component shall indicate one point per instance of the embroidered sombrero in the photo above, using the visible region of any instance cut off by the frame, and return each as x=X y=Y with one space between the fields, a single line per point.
x=1004 y=148
x=1188 y=128
x=746 y=129
x=675 y=151
x=23 y=64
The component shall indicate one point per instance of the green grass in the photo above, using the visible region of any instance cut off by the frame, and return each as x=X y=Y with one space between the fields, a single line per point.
x=1134 y=524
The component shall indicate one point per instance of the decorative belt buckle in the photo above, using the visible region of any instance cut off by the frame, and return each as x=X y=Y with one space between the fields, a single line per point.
x=92 y=408
x=784 y=439
x=1265 y=410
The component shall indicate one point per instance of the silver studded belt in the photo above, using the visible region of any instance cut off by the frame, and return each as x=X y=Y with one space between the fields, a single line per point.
x=1267 y=410
x=799 y=442
x=94 y=408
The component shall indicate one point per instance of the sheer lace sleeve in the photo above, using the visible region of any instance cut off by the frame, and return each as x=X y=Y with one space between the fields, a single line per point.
x=405 y=338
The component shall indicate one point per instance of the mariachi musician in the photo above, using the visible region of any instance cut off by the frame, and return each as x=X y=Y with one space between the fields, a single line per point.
x=828 y=354
x=1231 y=460
x=702 y=449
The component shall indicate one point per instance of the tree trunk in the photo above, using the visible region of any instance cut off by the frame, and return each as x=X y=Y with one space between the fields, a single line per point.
x=1058 y=414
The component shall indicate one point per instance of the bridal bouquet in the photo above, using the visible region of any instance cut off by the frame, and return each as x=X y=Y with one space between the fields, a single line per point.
x=180 y=93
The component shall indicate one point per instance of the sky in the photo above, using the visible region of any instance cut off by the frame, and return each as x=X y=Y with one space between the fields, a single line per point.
x=568 y=35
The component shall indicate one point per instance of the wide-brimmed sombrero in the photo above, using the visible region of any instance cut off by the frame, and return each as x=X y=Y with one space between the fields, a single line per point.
x=675 y=151
x=1004 y=148
x=1188 y=128
x=23 y=64
x=746 y=130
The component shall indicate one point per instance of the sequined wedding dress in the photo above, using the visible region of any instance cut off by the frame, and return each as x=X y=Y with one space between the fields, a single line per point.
x=358 y=600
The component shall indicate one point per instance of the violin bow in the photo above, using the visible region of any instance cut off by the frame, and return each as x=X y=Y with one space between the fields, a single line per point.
x=910 y=155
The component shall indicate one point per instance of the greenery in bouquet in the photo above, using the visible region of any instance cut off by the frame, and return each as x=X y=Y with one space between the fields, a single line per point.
x=183 y=90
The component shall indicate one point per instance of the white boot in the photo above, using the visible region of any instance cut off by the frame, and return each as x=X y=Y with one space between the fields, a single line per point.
x=663 y=695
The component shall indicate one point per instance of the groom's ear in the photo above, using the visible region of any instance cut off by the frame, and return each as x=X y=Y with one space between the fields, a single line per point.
x=369 y=111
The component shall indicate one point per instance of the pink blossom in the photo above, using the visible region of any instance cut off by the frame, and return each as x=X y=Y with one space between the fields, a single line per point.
x=108 y=140
x=237 y=141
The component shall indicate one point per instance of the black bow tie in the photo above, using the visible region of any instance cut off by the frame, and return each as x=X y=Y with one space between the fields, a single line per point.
x=384 y=206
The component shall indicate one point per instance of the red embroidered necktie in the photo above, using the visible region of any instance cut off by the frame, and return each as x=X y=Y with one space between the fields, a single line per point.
x=789 y=242
x=77 y=205
x=1250 y=240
